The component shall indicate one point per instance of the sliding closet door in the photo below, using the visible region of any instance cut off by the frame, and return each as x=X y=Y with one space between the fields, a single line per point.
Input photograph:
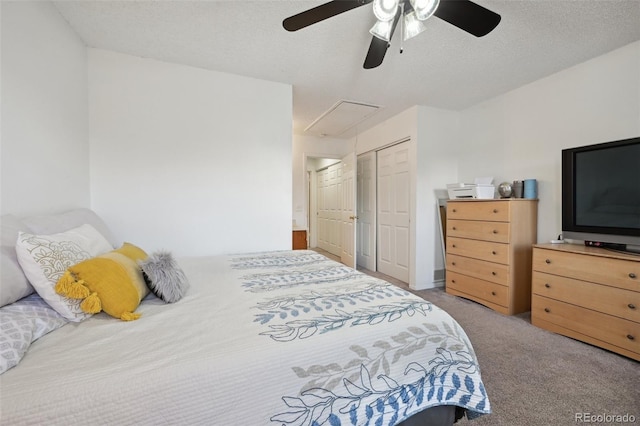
x=366 y=212
x=393 y=211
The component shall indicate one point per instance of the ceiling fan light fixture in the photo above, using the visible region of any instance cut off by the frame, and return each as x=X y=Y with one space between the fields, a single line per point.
x=424 y=8
x=464 y=14
x=382 y=30
x=412 y=26
x=385 y=10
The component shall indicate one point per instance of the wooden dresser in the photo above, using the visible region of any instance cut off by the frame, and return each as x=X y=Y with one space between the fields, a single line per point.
x=489 y=246
x=588 y=293
x=299 y=239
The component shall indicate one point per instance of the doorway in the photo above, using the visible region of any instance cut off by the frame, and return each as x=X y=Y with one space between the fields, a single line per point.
x=313 y=165
x=381 y=236
x=329 y=208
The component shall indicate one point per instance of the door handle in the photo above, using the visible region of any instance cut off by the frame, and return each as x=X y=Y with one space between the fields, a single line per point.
x=353 y=217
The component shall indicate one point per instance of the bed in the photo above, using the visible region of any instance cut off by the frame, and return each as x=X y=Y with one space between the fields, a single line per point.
x=275 y=338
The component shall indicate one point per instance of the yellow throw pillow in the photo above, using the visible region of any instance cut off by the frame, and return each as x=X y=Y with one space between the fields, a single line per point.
x=133 y=252
x=112 y=282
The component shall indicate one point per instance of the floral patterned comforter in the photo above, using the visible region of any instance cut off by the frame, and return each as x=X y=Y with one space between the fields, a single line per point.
x=375 y=353
x=282 y=338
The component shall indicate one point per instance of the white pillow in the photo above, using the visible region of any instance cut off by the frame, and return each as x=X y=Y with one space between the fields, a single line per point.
x=61 y=222
x=13 y=283
x=44 y=258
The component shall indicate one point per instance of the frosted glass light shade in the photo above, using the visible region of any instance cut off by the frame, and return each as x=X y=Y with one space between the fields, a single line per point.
x=382 y=30
x=424 y=8
x=385 y=10
x=412 y=26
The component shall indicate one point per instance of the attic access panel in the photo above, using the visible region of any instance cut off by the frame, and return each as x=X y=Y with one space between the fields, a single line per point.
x=341 y=117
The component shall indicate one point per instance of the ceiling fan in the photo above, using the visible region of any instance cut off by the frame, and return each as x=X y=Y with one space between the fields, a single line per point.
x=464 y=14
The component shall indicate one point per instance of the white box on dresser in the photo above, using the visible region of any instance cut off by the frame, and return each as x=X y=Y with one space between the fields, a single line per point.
x=589 y=294
x=489 y=251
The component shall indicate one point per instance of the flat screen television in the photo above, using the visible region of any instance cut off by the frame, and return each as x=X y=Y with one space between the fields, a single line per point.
x=601 y=194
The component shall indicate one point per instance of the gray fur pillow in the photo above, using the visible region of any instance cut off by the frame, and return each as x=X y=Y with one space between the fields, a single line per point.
x=164 y=277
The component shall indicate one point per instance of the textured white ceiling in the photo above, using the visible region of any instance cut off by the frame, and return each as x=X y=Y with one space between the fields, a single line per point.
x=443 y=67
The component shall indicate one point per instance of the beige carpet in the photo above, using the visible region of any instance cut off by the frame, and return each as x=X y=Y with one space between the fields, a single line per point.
x=537 y=378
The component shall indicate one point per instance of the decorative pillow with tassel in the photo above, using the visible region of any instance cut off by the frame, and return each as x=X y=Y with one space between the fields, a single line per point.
x=111 y=282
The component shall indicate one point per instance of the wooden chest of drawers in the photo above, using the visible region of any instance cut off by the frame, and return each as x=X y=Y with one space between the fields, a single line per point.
x=299 y=239
x=489 y=252
x=589 y=294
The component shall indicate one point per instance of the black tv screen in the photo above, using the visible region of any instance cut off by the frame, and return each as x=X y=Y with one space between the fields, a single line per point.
x=601 y=192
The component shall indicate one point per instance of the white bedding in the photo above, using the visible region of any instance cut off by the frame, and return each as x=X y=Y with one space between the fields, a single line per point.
x=284 y=338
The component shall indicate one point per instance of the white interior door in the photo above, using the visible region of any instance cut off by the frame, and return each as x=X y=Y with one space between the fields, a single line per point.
x=348 y=216
x=329 y=210
x=393 y=211
x=366 y=212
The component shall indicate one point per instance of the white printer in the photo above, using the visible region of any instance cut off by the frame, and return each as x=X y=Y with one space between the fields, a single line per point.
x=482 y=188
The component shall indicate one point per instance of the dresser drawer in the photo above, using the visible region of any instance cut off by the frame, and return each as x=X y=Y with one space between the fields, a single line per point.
x=497 y=211
x=489 y=271
x=479 y=230
x=598 y=269
x=606 y=328
x=479 y=289
x=609 y=300
x=484 y=250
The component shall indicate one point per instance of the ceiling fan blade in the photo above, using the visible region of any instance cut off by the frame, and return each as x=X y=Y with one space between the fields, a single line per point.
x=378 y=48
x=375 y=55
x=468 y=16
x=320 y=13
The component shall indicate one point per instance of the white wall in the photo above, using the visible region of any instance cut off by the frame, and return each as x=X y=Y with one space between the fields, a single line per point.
x=521 y=134
x=437 y=153
x=397 y=128
x=316 y=163
x=44 y=134
x=180 y=158
x=189 y=160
